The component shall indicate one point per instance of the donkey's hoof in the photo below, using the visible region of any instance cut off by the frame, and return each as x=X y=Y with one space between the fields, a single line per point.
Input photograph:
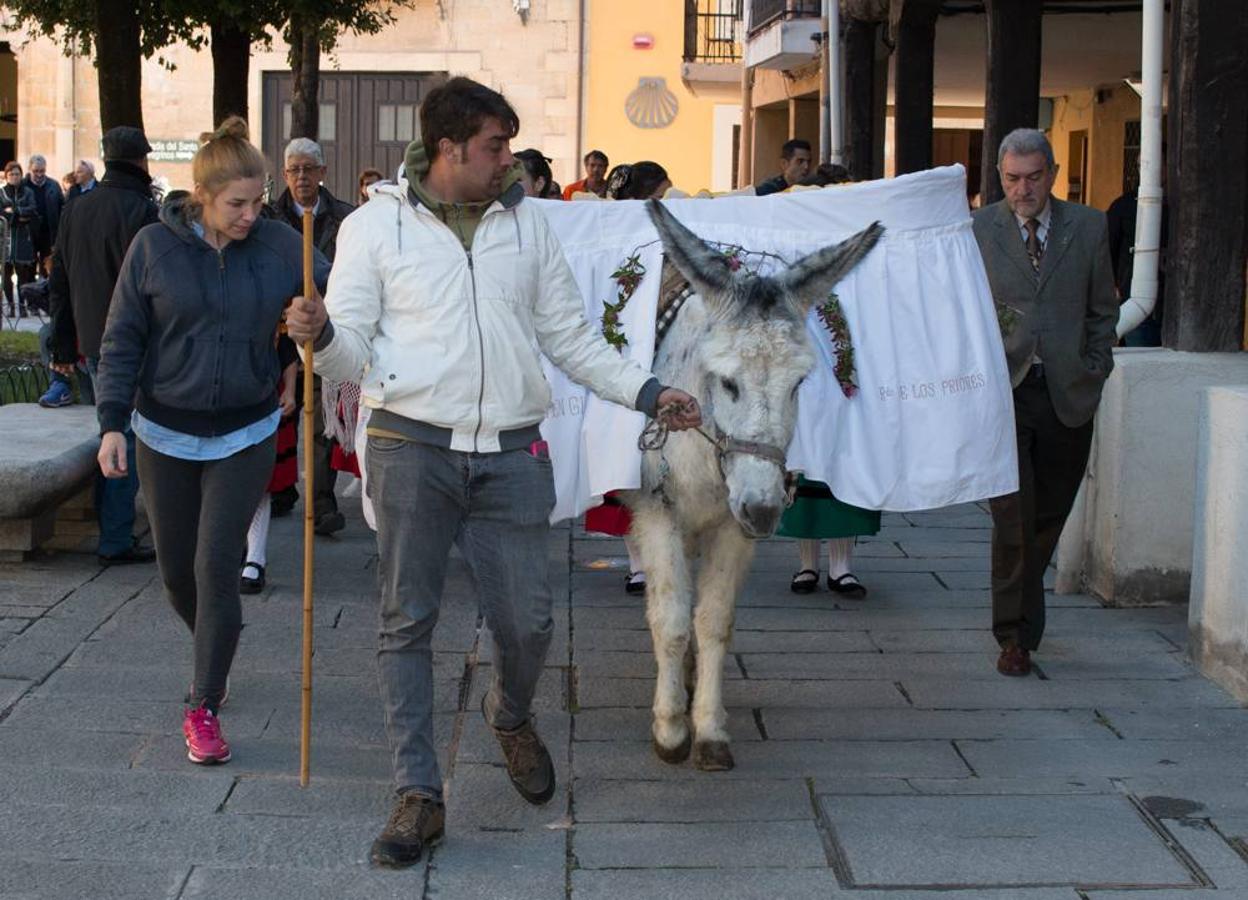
x=712 y=756
x=674 y=755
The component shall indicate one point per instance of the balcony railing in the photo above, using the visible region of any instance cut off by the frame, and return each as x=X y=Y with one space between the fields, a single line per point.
x=764 y=12
x=713 y=31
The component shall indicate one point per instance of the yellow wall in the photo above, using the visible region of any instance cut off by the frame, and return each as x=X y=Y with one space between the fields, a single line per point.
x=684 y=148
x=1103 y=114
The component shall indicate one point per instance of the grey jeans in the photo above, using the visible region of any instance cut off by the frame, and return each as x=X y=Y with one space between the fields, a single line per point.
x=199 y=512
x=496 y=508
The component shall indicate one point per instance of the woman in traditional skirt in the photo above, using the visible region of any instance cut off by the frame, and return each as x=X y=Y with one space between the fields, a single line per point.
x=817 y=515
x=285 y=471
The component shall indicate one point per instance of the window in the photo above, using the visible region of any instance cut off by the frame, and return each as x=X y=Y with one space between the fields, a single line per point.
x=397 y=122
x=327 y=127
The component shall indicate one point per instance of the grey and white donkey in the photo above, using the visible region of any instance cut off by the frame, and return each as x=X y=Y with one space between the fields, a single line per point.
x=740 y=346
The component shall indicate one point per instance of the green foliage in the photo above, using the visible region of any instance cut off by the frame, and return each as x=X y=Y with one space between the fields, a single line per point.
x=73 y=23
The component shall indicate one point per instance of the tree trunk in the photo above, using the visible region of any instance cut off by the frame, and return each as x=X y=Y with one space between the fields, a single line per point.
x=231 y=61
x=1012 y=96
x=1208 y=177
x=118 y=53
x=915 y=87
x=860 y=97
x=305 y=66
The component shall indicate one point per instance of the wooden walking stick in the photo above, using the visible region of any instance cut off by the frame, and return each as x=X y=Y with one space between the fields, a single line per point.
x=305 y=724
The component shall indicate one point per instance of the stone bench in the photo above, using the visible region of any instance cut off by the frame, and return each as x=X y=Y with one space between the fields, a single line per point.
x=1218 y=613
x=47 y=457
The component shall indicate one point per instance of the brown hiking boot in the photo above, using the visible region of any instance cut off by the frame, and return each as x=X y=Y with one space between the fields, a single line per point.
x=528 y=761
x=416 y=822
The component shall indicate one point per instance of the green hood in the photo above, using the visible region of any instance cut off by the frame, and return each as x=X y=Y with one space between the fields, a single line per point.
x=462 y=218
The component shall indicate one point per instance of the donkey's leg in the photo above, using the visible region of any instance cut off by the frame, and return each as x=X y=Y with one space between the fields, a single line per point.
x=726 y=559
x=668 y=595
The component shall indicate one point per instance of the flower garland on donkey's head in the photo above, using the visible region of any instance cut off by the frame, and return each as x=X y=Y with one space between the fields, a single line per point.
x=629 y=274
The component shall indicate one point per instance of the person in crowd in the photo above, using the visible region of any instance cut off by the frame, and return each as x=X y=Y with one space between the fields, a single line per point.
x=794 y=166
x=446 y=466
x=305 y=169
x=285 y=471
x=637 y=181
x=1048 y=261
x=94 y=235
x=19 y=209
x=554 y=191
x=816 y=515
x=535 y=174
x=1120 y=219
x=594 y=182
x=67 y=185
x=628 y=181
x=48 y=203
x=84 y=180
x=826 y=174
x=367 y=178
x=205 y=409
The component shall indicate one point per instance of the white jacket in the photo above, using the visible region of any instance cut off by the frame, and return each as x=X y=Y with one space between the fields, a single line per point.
x=450 y=338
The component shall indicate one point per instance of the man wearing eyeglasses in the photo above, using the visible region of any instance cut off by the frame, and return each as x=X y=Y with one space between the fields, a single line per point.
x=305 y=170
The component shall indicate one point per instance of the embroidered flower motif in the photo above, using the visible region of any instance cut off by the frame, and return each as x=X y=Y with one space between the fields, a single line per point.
x=627 y=278
x=833 y=318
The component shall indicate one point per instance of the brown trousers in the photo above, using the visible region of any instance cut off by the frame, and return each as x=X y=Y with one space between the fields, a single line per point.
x=1052 y=458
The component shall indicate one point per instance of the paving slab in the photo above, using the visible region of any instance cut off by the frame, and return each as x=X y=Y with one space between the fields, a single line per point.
x=1017 y=758
x=215 y=882
x=707 y=800
x=783 y=724
x=45 y=879
x=714 y=884
x=730 y=845
x=1000 y=841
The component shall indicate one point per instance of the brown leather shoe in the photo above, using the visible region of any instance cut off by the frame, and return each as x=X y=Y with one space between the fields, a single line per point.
x=415 y=823
x=1014 y=661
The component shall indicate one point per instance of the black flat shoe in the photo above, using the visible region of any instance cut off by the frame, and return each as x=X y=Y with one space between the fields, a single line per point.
x=635 y=583
x=805 y=582
x=251 y=585
x=848 y=586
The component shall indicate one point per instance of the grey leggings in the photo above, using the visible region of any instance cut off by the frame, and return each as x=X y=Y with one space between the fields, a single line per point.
x=199 y=513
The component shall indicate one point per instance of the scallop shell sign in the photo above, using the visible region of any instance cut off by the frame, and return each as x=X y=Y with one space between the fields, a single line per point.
x=651 y=104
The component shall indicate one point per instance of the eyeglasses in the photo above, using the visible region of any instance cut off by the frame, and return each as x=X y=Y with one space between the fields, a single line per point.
x=296 y=171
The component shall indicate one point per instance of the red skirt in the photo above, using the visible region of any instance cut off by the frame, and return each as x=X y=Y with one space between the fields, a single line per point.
x=343 y=462
x=612 y=517
x=286 y=468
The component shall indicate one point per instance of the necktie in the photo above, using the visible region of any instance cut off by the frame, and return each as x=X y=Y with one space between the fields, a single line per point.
x=1035 y=250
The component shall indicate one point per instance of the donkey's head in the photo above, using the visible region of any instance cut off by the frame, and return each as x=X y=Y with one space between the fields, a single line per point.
x=753 y=357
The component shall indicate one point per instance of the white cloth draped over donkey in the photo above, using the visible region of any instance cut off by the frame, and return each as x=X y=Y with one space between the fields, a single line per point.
x=932 y=423
x=933 y=420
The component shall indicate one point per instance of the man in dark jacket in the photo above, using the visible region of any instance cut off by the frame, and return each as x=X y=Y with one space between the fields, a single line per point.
x=95 y=233
x=305 y=170
x=48 y=200
x=794 y=167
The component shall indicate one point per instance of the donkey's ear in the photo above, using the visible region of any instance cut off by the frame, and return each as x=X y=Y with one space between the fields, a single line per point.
x=809 y=280
x=707 y=270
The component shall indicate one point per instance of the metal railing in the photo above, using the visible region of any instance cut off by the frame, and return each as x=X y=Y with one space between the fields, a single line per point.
x=22 y=384
x=764 y=12
x=713 y=30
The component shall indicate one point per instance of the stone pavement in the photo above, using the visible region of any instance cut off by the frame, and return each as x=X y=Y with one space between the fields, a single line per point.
x=879 y=755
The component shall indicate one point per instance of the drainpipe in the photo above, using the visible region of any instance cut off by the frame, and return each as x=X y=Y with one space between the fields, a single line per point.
x=580 y=90
x=1146 y=252
x=831 y=119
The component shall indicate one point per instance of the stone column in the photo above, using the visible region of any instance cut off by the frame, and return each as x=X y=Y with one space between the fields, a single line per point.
x=1012 y=96
x=915 y=33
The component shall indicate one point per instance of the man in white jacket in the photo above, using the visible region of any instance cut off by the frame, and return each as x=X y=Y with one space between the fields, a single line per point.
x=444 y=290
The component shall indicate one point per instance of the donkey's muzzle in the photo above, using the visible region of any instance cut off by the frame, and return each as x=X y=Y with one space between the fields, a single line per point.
x=759 y=520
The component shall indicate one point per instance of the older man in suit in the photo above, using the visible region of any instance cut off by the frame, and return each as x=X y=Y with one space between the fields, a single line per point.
x=1049 y=267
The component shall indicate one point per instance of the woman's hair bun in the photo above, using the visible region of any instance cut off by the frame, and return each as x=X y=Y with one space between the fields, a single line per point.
x=233 y=126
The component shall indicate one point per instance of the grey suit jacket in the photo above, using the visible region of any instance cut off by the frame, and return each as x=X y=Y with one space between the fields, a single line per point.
x=1067 y=314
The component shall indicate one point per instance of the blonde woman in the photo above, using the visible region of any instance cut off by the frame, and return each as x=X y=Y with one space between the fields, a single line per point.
x=189 y=361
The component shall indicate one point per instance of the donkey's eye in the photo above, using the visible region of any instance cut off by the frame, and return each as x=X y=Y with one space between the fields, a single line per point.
x=731 y=387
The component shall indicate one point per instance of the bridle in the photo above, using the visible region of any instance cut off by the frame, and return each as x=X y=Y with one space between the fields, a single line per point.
x=654 y=437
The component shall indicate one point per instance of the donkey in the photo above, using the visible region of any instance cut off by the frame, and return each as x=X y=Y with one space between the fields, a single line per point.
x=739 y=345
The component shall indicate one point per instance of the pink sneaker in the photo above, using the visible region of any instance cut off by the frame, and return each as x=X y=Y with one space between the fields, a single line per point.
x=204 y=742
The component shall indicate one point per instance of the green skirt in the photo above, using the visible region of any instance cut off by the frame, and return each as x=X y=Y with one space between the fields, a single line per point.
x=816 y=514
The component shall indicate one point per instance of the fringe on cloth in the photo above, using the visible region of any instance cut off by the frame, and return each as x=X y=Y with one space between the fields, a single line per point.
x=340 y=404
